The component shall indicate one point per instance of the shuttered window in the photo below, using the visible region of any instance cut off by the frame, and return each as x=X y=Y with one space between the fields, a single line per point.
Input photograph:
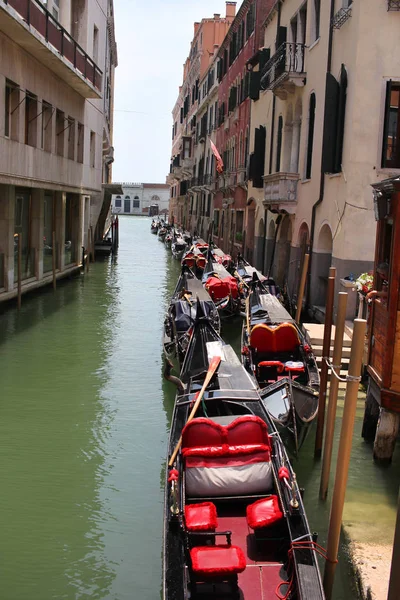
x=279 y=145
x=391 y=130
x=310 y=140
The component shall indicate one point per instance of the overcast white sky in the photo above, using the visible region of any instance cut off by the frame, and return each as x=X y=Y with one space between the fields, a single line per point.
x=153 y=38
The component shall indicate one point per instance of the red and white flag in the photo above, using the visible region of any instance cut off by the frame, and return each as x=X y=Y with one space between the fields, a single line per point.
x=220 y=162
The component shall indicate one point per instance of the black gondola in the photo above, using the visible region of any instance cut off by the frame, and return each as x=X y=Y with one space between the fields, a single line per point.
x=222 y=287
x=181 y=314
x=178 y=246
x=155 y=224
x=244 y=271
x=279 y=355
x=234 y=520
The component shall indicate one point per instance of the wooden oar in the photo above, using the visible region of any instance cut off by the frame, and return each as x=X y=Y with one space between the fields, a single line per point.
x=211 y=370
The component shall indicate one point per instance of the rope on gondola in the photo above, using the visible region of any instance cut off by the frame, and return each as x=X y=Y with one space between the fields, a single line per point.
x=299 y=545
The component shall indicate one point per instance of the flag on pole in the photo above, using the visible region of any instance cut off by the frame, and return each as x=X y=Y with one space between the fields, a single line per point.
x=220 y=162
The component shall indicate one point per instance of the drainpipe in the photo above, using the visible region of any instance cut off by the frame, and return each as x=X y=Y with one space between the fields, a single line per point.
x=322 y=181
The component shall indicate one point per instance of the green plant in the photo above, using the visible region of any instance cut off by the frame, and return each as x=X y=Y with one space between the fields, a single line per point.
x=239 y=236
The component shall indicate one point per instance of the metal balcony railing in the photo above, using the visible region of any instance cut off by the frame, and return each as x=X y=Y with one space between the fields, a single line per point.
x=37 y=16
x=289 y=58
x=393 y=5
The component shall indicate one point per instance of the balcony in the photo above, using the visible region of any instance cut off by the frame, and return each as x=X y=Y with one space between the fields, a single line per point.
x=393 y=5
x=187 y=167
x=285 y=70
x=29 y=24
x=281 y=189
x=242 y=177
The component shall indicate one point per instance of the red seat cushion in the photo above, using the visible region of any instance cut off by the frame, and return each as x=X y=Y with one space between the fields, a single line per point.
x=217 y=560
x=247 y=430
x=201 y=517
x=283 y=338
x=264 y=512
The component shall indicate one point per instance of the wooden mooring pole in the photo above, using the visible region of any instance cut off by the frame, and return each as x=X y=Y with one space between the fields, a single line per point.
x=300 y=295
x=333 y=394
x=343 y=460
x=19 y=266
x=326 y=349
x=53 y=259
x=394 y=581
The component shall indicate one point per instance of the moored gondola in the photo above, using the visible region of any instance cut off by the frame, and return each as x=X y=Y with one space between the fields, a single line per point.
x=155 y=224
x=222 y=287
x=178 y=245
x=234 y=520
x=181 y=314
x=279 y=355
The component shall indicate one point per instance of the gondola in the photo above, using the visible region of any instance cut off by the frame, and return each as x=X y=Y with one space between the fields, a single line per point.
x=178 y=323
x=279 y=355
x=244 y=271
x=155 y=224
x=220 y=257
x=194 y=257
x=169 y=238
x=162 y=232
x=178 y=246
x=234 y=521
x=222 y=287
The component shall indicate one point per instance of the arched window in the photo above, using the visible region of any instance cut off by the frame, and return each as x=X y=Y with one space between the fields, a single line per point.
x=311 y=122
x=136 y=202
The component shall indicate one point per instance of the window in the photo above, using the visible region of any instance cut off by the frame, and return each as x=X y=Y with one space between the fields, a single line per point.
x=239 y=225
x=316 y=19
x=391 y=131
x=92 y=149
x=7 y=110
x=95 y=43
x=11 y=113
x=71 y=138
x=31 y=115
x=186 y=148
x=60 y=129
x=136 y=202
x=47 y=126
x=127 y=205
x=310 y=141
x=118 y=202
x=81 y=137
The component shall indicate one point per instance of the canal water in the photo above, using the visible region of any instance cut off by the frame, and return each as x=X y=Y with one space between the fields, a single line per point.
x=84 y=421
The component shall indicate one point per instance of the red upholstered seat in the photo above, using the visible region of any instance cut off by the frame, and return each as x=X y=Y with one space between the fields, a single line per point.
x=264 y=512
x=201 y=517
x=283 y=338
x=272 y=363
x=217 y=560
x=247 y=430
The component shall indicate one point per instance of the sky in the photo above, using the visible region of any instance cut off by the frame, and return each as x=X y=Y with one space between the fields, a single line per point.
x=153 y=40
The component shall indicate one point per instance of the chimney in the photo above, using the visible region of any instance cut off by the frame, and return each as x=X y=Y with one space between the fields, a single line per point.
x=196 y=27
x=216 y=16
x=230 y=10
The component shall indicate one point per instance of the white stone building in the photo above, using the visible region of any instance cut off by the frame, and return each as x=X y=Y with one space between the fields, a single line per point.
x=56 y=99
x=328 y=118
x=137 y=198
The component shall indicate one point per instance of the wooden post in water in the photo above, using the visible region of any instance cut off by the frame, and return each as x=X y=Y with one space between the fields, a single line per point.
x=394 y=581
x=53 y=260
x=343 y=460
x=88 y=243
x=92 y=243
x=333 y=394
x=301 y=288
x=19 y=269
x=326 y=348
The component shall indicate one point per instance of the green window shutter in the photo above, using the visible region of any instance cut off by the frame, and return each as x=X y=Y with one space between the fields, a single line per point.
x=386 y=123
x=255 y=85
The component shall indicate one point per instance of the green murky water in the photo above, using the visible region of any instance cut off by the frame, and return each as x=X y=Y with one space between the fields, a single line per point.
x=84 y=419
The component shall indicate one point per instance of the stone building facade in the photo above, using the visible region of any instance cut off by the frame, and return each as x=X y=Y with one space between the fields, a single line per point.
x=137 y=198
x=56 y=100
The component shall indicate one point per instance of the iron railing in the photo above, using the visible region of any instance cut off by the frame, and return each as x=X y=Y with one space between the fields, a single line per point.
x=289 y=58
x=393 y=5
x=37 y=16
x=340 y=18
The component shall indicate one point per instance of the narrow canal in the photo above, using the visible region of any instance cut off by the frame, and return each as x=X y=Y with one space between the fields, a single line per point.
x=84 y=420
